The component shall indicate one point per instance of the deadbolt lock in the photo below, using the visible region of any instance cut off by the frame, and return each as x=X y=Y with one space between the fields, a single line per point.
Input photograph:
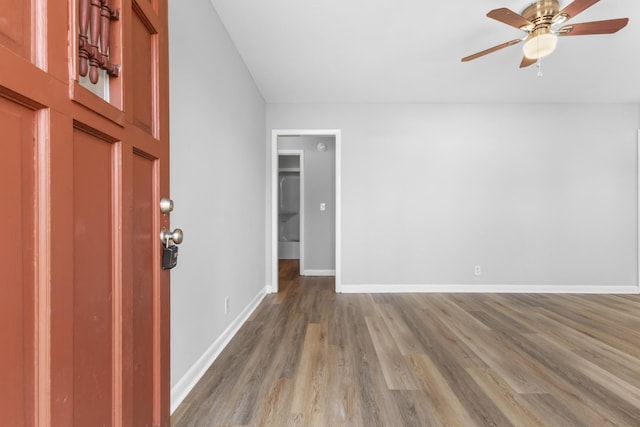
x=166 y=205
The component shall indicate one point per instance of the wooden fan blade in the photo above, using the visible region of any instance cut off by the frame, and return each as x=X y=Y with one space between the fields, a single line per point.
x=509 y=17
x=609 y=26
x=527 y=62
x=575 y=8
x=490 y=50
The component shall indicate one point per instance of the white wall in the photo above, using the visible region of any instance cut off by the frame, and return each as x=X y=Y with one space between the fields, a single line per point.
x=543 y=197
x=319 y=187
x=217 y=184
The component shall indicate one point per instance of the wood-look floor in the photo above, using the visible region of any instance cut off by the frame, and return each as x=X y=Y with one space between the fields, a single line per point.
x=309 y=357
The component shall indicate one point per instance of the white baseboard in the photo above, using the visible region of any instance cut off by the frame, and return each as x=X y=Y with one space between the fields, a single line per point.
x=195 y=373
x=507 y=289
x=319 y=273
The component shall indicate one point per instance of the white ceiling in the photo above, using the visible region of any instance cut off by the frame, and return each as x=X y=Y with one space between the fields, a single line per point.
x=408 y=51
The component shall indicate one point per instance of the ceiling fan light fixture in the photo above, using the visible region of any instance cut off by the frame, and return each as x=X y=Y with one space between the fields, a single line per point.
x=537 y=20
x=540 y=43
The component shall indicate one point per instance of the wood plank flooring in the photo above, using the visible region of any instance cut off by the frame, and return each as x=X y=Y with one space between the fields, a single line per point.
x=309 y=357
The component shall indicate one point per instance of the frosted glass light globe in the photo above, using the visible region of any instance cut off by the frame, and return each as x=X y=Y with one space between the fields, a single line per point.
x=540 y=44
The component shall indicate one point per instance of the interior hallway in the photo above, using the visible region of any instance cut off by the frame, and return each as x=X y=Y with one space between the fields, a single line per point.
x=310 y=357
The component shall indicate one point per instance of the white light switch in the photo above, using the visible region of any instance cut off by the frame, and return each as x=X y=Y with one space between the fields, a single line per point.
x=323 y=207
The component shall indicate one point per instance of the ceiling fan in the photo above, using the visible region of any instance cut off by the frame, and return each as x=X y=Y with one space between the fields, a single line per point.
x=538 y=21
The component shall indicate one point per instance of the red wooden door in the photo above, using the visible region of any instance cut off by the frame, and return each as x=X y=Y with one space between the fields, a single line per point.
x=84 y=303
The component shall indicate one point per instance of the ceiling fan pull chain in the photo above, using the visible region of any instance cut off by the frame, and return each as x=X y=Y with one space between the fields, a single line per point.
x=539 y=65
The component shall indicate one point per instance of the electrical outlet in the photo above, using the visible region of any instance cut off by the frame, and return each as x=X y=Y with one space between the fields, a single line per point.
x=477 y=270
x=226 y=305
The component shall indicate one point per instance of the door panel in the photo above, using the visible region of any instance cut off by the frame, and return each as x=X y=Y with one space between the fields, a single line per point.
x=17 y=335
x=143 y=289
x=93 y=279
x=15 y=28
x=144 y=72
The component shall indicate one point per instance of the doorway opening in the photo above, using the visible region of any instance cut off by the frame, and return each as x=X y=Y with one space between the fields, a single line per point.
x=291 y=206
x=316 y=241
